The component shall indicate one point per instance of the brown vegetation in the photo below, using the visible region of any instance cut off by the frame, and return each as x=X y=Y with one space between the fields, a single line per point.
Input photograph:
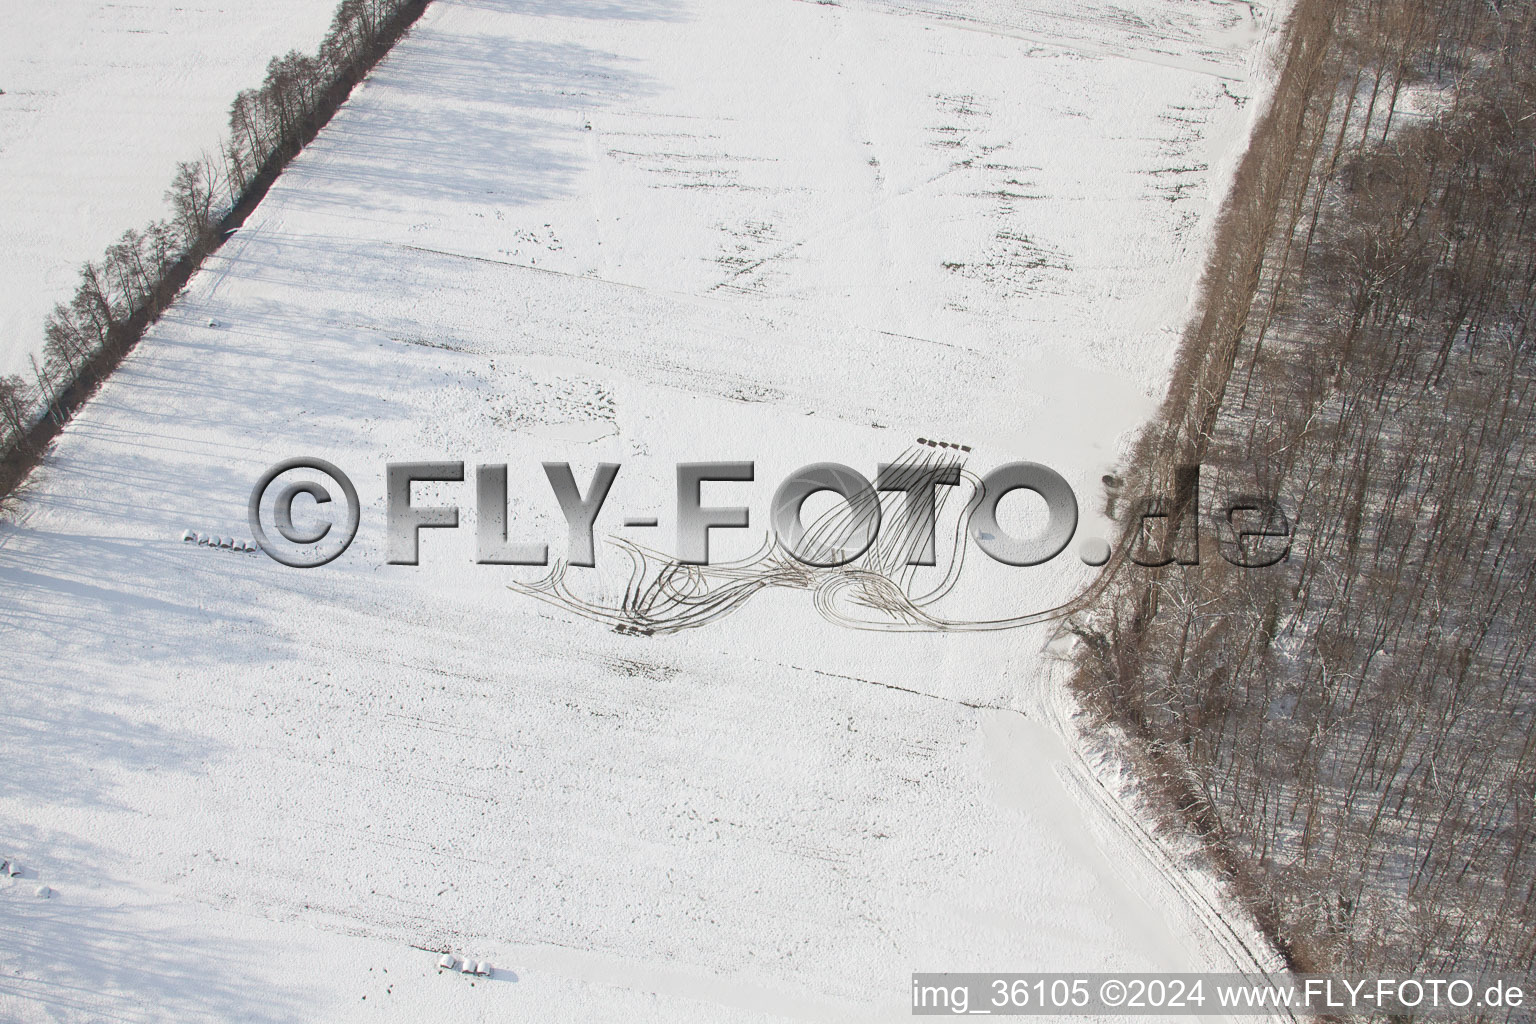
x=1356 y=726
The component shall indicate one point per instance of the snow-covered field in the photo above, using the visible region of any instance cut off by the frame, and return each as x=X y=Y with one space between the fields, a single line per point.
x=101 y=100
x=642 y=232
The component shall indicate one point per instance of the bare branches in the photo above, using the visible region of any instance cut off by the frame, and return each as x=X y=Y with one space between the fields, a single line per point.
x=140 y=273
x=1359 y=719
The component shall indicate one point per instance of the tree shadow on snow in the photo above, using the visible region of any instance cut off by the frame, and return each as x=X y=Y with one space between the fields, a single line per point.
x=594 y=10
x=483 y=119
x=69 y=960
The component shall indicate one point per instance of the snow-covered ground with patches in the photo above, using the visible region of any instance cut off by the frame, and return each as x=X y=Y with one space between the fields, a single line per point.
x=640 y=231
x=101 y=101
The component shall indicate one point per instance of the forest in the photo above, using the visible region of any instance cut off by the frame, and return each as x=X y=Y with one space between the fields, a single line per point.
x=1351 y=729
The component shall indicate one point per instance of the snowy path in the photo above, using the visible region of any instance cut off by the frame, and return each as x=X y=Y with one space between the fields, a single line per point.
x=642 y=232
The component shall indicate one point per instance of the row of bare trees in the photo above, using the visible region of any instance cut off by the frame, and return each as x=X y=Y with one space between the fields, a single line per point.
x=273 y=123
x=139 y=274
x=1356 y=727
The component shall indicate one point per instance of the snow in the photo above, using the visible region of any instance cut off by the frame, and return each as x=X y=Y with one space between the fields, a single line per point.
x=640 y=232
x=101 y=101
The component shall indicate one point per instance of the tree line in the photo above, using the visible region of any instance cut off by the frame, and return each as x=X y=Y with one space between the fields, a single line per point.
x=126 y=289
x=1354 y=730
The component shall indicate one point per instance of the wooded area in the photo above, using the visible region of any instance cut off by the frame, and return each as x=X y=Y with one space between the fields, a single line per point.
x=1353 y=727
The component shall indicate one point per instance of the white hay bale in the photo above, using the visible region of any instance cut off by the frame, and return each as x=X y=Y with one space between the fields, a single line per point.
x=43 y=892
x=447 y=962
x=483 y=968
x=187 y=536
x=12 y=868
x=467 y=967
